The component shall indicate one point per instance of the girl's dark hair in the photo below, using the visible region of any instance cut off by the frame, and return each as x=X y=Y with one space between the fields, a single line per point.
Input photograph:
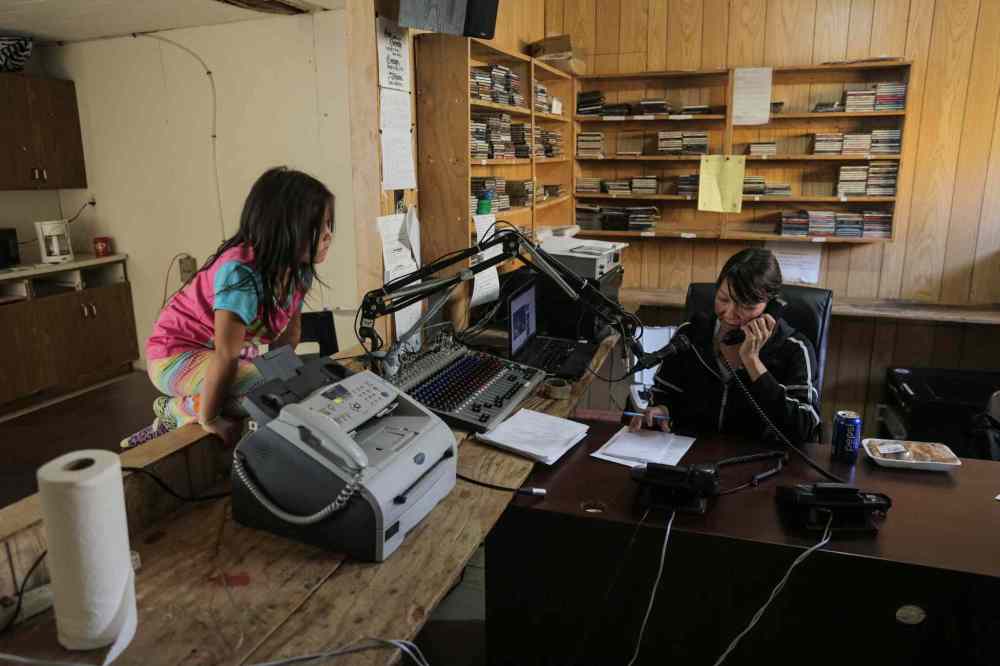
x=283 y=214
x=754 y=276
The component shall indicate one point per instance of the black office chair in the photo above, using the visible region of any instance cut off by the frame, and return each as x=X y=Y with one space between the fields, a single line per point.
x=319 y=327
x=808 y=311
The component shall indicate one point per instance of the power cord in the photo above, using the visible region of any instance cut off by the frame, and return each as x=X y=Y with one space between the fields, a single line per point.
x=170 y=491
x=20 y=593
x=524 y=490
x=777 y=589
x=611 y=585
x=88 y=202
x=215 y=118
x=652 y=593
x=409 y=647
x=166 y=278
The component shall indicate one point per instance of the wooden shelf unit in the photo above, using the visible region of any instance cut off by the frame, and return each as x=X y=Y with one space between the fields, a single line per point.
x=812 y=177
x=444 y=110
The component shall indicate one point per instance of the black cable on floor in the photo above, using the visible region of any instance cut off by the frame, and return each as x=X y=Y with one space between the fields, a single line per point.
x=20 y=593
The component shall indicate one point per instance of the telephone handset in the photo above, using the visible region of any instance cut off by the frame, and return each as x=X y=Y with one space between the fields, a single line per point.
x=737 y=336
x=327 y=432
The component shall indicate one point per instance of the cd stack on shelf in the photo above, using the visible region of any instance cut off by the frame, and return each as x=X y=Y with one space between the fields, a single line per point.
x=588 y=185
x=669 y=141
x=590 y=103
x=538 y=148
x=794 y=223
x=642 y=218
x=617 y=187
x=890 y=96
x=480 y=84
x=588 y=216
x=520 y=136
x=766 y=148
x=852 y=180
x=543 y=102
x=590 y=145
x=778 y=190
x=886 y=141
x=496 y=185
x=877 y=224
x=552 y=191
x=882 y=179
x=695 y=109
x=614 y=218
x=497 y=134
x=822 y=222
x=522 y=192
x=622 y=109
x=552 y=142
x=479 y=147
x=695 y=143
x=649 y=105
x=857 y=142
x=828 y=107
x=849 y=225
x=644 y=185
x=473 y=204
x=688 y=185
x=857 y=101
x=827 y=143
x=754 y=185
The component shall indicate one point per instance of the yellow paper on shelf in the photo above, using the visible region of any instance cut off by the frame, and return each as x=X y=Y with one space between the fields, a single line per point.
x=720 y=183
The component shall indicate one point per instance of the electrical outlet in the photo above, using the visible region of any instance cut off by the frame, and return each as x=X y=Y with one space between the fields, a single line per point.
x=188 y=267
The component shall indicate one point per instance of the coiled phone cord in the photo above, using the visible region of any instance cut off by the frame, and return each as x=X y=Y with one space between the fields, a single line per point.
x=339 y=503
x=770 y=424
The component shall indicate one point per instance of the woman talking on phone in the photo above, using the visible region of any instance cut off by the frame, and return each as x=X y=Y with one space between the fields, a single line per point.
x=695 y=391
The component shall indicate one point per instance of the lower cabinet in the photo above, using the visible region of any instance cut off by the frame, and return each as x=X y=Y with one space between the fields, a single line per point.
x=65 y=340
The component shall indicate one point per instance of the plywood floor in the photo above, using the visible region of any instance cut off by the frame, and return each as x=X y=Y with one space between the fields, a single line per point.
x=97 y=419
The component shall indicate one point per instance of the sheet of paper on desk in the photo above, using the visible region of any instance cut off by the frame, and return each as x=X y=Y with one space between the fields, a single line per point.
x=538 y=436
x=486 y=287
x=634 y=448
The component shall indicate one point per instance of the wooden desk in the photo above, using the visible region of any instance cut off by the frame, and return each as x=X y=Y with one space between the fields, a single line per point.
x=550 y=562
x=213 y=592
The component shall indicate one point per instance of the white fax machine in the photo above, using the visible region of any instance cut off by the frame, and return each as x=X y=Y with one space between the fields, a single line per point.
x=348 y=463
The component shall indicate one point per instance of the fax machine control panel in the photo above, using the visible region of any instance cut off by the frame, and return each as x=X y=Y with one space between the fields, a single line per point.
x=354 y=400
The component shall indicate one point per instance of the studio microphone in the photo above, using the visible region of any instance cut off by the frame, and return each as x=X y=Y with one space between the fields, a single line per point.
x=678 y=344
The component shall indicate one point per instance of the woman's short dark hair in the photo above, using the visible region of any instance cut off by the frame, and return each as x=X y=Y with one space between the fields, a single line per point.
x=754 y=276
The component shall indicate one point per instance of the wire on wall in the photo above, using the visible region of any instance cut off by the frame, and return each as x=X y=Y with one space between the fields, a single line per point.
x=215 y=119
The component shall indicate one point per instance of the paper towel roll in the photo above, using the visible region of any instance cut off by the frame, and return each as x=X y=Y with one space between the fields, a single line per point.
x=83 y=509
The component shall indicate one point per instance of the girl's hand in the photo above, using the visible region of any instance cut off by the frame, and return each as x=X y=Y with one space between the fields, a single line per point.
x=758 y=331
x=647 y=417
x=226 y=429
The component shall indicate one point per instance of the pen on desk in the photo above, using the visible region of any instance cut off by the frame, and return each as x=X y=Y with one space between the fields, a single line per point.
x=656 y=417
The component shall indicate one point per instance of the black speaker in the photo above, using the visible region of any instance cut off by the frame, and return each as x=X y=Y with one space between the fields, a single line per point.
x=481 y=18
x=471 y=18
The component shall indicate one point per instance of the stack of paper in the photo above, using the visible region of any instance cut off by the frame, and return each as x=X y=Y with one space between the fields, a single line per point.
x=646 y=446
x=535 y=435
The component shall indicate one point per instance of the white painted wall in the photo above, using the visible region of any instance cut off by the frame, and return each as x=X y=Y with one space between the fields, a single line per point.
x=145 y=112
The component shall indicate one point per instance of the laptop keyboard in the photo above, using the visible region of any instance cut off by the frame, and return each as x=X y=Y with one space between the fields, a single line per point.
x=552 y=354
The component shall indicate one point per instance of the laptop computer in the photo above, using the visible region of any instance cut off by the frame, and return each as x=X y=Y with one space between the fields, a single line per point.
x=555 y=356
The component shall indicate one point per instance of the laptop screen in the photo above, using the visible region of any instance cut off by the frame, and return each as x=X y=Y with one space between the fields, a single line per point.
x=521 y=323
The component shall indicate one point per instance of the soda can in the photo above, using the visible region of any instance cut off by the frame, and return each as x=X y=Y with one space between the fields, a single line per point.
x=846 y=436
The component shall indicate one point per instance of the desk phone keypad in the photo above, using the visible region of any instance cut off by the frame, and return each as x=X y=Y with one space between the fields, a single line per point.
x=352 y=401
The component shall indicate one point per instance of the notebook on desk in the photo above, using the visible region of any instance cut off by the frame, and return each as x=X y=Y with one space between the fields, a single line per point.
x=560 y=357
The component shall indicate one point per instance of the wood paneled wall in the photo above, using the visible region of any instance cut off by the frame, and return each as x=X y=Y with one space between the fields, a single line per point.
x=948 y=220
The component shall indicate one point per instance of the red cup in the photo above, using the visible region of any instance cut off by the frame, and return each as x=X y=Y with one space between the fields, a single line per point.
x=102 y=246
